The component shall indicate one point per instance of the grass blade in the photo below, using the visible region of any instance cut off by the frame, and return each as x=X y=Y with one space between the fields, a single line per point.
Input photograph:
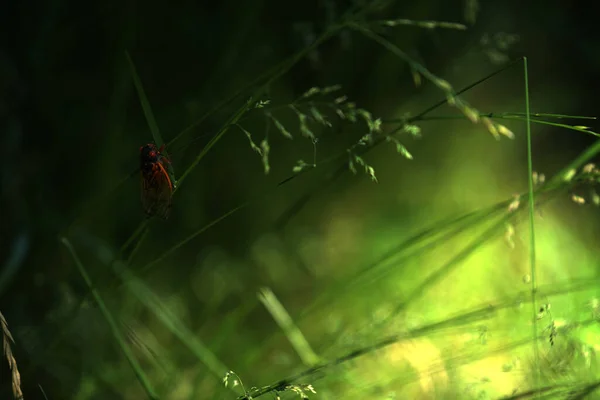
x=466 y=318
x=543 y=122
x=285 y=322
x=147 y=297
x=549 y=115
x=145 y=103
x=533 y=270
x=114 y=328
x=154 y=304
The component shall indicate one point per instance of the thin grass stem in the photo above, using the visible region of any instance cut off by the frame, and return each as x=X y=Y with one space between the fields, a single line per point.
x=532 y=255
x=111 y=321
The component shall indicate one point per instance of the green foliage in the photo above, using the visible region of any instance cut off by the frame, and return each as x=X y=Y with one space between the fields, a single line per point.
x=118 y=336
x=326 y=344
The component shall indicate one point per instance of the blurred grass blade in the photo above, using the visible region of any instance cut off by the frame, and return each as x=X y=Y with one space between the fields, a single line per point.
x=459 y=320
x=43 y=393
x=145 y=103
x=427 y=238
x=493 y=231
x=567 y=390
x=118 y=336
x=285 y=322
x=420 y=24
x=137 y=246
x=586 y=391
x=589 y=153
x=174 y=248
x=147 y=297
x=415 y=245
x=139 y=232
x=16 y=256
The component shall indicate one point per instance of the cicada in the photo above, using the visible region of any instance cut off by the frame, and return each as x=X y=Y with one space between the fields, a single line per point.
x=157 y=187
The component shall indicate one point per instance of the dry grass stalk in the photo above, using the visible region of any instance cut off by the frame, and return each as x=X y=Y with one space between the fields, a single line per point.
x=12 y=363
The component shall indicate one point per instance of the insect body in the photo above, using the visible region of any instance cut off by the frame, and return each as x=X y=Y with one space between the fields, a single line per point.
x=157 y=188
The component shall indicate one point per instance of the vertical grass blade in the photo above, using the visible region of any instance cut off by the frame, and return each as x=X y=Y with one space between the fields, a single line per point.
x=158 y=140
x=531 y=228
x=144 y=101
x=118 y=336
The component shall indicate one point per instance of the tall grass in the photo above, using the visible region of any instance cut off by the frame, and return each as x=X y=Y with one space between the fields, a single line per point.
x=321 y=375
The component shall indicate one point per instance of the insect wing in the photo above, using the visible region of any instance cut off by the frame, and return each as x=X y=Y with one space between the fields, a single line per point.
x=157 y=190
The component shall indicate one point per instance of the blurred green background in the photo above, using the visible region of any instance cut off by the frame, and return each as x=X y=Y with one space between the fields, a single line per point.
x=72 y=125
